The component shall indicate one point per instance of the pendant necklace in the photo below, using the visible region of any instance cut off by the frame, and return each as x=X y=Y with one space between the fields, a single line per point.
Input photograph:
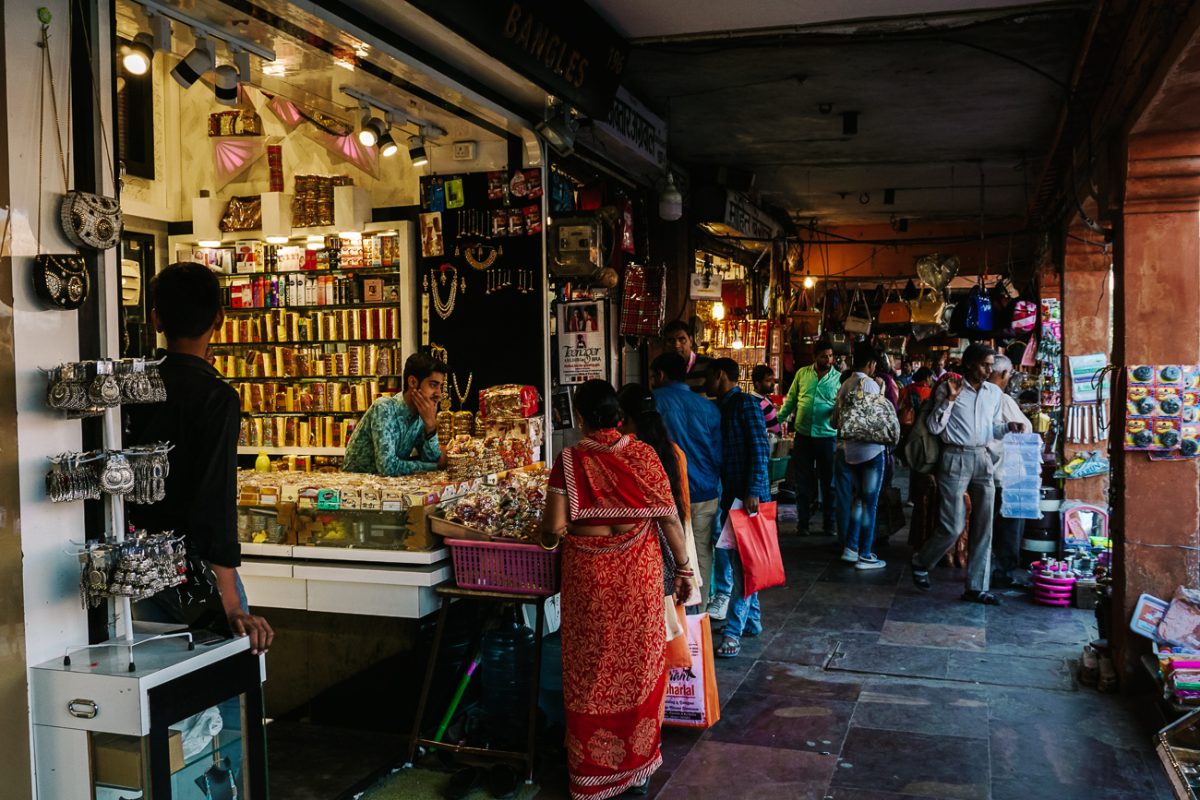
x=445 y=308
x=466 y=392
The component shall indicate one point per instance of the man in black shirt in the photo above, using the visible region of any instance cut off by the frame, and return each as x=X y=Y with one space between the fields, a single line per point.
x=200 y=420
x=678 y=338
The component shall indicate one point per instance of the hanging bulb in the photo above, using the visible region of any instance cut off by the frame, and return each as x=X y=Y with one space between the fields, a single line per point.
x=809 y=282
x=718 y=311
x=738 y=344
x=670 y=202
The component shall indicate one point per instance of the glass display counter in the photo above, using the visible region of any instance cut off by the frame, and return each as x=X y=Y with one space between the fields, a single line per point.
x=1178 y=747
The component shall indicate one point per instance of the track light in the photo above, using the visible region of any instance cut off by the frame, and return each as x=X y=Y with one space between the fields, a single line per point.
x=372 y=130
x=387 y=145
x=225 y=84
x=416 y=151
x=139 y=55
x=195 y=63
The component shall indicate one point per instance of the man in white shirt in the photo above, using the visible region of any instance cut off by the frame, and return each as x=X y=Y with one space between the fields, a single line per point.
x=1006 y=538
x=967 y=416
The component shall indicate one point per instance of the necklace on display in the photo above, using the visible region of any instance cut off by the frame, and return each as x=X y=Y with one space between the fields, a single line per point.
x=445 y=308
x=466 y=392
x=482 y=256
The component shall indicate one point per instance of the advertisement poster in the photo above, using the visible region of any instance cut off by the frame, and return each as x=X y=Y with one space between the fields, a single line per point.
x=582 y=353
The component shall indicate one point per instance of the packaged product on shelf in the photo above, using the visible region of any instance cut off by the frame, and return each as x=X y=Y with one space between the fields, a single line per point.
x=508 y=400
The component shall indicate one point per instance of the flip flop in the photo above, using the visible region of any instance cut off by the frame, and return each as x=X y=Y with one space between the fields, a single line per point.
x=730 y=648
x=983 y=598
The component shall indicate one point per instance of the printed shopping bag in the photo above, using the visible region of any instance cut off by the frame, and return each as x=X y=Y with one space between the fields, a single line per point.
x=679 y=655
x=692 y=693
x=758 y=545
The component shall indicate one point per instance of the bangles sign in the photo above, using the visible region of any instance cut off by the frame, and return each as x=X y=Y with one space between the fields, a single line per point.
x=582 y=354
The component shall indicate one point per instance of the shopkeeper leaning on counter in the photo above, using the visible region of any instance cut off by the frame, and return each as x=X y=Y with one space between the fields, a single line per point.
x=398 y=435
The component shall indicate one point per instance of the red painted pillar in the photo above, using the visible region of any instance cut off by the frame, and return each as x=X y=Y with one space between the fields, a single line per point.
x=1157 y=504
x=1086 y=316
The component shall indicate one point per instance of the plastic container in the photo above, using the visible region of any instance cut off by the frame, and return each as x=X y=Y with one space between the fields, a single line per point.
x=504 y=566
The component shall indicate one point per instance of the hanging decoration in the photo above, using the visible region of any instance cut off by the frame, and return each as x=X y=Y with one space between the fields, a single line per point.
x=348 y=149
x=233 y=156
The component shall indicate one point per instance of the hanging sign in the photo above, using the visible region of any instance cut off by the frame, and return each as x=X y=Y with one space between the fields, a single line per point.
x=582 y=354
x=704 y=287
x=726 y=213
x=634 y=131
x=562 y=45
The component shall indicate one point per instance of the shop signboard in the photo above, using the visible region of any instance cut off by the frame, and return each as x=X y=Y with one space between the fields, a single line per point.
x=562 y=45
x=705 y=287
x=634 y=131
x=724 y=212
x=582 y=352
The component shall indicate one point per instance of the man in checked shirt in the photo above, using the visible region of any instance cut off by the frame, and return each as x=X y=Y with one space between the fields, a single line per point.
x=744 y=485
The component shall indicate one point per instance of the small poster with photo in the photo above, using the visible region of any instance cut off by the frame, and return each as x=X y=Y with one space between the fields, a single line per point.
x=582 y=352
x=432 y=243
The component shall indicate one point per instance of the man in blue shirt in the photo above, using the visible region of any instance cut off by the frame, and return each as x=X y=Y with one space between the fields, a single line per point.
x=695 y=425
x=398 y=435
x=744 y=484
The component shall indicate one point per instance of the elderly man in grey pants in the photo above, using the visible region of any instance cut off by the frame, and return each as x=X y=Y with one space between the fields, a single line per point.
x=968 y=415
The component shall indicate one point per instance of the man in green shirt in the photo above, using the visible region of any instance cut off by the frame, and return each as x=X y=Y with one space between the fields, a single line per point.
x=398 y=435
x=811 y=398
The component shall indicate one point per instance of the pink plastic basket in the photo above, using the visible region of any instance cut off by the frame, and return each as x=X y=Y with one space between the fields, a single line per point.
x=504 y=566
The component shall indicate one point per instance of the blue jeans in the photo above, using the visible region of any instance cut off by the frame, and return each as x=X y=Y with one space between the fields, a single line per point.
x=857 y=488
x=745 y=615
x=722 y=582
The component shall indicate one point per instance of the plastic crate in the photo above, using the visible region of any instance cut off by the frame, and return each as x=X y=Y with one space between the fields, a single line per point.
x=504 y=566
x=777 y=468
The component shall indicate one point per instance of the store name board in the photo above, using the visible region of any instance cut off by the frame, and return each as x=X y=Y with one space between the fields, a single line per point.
x=731 y=214
x=563 y=45
x=740 y=215
x=634 y=128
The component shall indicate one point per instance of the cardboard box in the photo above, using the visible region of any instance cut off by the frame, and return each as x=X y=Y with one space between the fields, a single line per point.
x=117 y=760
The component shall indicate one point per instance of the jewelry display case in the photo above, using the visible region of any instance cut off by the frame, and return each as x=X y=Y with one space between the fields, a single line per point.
x=1178 y=747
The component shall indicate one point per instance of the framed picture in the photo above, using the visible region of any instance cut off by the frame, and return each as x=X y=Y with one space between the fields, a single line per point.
x=432 y=244
x=582 y=348
x=373 y=290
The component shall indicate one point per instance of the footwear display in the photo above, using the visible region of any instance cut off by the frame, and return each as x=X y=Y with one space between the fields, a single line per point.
x=850 y=555
x=870 y=562
x=718 y=607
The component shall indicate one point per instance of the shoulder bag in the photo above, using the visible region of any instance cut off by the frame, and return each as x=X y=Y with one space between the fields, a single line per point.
x=979 y=310
x=89 y=219
x=858 y=320
x=806 y=321
x=867 y=418
x=894 y=312
x=60 y=280
x=928 y=308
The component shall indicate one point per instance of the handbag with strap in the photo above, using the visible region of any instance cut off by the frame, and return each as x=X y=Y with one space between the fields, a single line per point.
x=59 y=280
x=979 y=310
x=805 y=319
x=922 y=449
x=88 y=219
x=928 y=308
x=894 y=312
x=910 y=404
x=858 y=320
x=867 y=418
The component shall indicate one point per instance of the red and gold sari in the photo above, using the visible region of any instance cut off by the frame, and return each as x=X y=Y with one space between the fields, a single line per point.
x=614 y=671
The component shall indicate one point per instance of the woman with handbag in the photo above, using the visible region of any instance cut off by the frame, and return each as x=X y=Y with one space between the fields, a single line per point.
x=866 y=421
x=608 y=498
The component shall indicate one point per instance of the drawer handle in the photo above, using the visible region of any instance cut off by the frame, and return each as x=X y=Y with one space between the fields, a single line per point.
x=83 y=709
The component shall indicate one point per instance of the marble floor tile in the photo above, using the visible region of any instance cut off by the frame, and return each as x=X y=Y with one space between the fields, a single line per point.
x=838 y=618
x=781 y=721
x=801 y=646
x=885 y=659
x=933 y=634
x=772 y=677
x=943 y=709
x=825 y=593
x=914 y=764
x=745 y=772
x=1010 y=670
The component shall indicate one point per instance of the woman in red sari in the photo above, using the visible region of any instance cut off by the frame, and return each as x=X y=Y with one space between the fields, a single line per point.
x=608 y=498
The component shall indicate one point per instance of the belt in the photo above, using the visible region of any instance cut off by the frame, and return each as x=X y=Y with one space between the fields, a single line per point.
x=966 y=446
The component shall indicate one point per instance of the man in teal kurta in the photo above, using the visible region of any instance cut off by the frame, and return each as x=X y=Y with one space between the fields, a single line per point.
x=811 y=398
x=398 y=435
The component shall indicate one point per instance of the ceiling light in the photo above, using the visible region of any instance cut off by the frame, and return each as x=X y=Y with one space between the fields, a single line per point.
x=278 y=239
x=387 y=145
x=195 y=63
x=809 y=282
x=416 y=151
x=225 y=84
x=558 y=127
x=670 y=202
x=718 y=311
x=209 y=242
x=372 y=130
x=139 y=55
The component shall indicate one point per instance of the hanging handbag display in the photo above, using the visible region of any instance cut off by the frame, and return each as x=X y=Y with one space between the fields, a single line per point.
x=858 y=318
x=867 y=418
x=979 y=310
x=805 y=319
x=59 y=280
x=894 y=312
x=1025 y=316
x=840 y=343
x=928 y=308
x=89 y=219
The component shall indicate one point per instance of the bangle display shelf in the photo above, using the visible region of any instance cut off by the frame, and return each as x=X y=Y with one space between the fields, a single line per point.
x=155 y=711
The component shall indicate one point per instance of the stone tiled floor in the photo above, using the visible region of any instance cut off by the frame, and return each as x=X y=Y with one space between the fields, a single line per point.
x=862 y=688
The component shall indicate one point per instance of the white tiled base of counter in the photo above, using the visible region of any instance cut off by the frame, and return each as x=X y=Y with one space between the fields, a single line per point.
x=371 y=590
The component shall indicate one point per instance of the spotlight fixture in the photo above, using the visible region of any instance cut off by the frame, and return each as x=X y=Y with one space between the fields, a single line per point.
x=849 y=123
x=372 y=130
x=670 y=202
x=416 y=151
x=195 y=63
x=387 y=145
x=558 y=127
x=139 y=55
x=225 y=84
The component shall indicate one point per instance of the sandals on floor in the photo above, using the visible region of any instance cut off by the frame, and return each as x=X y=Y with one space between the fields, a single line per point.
x=983 y=598
x=730 y=648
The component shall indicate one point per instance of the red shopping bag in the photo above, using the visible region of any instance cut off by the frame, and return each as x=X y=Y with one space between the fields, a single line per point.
x=758 y=545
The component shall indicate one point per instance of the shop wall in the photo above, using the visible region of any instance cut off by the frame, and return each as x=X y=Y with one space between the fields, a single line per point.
x=184 y=154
